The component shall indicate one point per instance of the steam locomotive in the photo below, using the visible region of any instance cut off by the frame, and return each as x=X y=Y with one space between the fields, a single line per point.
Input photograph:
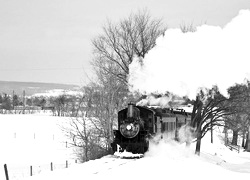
x=137 y=124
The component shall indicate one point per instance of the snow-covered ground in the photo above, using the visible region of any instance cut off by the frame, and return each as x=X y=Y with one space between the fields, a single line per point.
x=32 y=140
x=165 y=160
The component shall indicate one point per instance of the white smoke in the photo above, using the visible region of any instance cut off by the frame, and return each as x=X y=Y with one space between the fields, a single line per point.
x=164 y=147
x=186 y=134
x=181 y=63
x=165 y=101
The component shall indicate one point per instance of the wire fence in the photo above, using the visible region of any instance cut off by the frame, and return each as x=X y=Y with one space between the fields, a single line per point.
x=16 y=172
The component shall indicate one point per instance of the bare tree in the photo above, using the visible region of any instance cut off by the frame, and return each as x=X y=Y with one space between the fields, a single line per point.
x=209 y=110
x=104 y=101
x=187 y=28
x=84 y=134
x=115 y=49
x=59 y=104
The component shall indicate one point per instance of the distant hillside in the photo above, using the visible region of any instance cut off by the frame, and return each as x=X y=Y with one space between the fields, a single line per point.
x=32 y=87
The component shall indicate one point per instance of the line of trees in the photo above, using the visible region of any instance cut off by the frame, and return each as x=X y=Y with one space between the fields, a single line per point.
x=62 y=105
x=9 y=102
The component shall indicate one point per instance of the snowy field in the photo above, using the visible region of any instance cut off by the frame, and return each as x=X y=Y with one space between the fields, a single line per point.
x=165 y=160
x=37 y=140
x=32 y=140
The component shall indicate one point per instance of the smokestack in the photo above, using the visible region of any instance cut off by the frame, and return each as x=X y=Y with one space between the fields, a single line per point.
x=130 y=110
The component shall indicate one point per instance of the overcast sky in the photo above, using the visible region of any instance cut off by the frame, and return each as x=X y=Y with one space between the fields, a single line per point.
x=50 y=40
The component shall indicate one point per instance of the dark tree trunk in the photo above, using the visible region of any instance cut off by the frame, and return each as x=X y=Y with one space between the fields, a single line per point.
x=196 y=122
x=226 y=135
x=235 y=137
x=243 y=142
x=212 y=138
x=198 y=143
x=248 y=140
x=246 y=144
x=243 y=139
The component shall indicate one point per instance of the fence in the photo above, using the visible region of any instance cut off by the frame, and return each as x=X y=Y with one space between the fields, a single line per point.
x=14 y=172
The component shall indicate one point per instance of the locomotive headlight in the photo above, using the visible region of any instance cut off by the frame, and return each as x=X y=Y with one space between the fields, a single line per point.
x=129 y=130
x=129 y=127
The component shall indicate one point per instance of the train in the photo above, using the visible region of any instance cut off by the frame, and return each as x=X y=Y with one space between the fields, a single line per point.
x=138 y=124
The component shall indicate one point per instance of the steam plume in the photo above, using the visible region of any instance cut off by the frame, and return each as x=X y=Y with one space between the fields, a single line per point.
x=183 y=62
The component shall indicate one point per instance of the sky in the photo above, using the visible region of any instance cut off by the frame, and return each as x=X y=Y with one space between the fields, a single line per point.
x=50 y=40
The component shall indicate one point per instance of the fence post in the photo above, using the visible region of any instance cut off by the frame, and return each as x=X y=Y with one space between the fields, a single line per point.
x=66 y=164
x=6 y=172
x=51 y=166
x=31 y=173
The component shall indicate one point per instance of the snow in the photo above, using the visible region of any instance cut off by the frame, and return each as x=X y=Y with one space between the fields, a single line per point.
x=165 y=159
x=127 y=155
x=58 y=92
x=32 y=140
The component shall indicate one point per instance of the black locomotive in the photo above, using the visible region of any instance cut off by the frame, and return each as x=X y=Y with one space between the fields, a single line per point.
x=137 y=124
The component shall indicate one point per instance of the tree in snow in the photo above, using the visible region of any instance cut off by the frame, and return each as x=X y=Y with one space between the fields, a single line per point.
x=239 y=122
x=83 y=135
x=6 y=102
x=16 y=101
x=91 y=129
x=85 y=138
x=208 y=111
x=104 y=101
x=59 y=103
